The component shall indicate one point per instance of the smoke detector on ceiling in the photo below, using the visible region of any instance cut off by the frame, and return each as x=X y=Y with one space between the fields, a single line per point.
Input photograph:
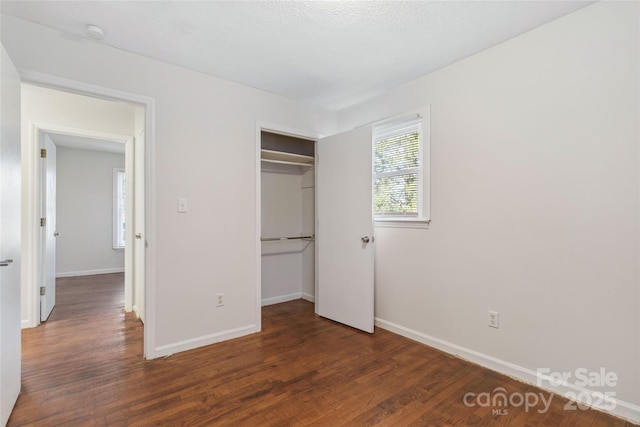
x=94 y=32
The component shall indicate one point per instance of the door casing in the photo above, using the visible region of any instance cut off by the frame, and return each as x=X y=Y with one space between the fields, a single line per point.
x=31 y=204
x=273 y=128
x=37 y=130
x=282 y=130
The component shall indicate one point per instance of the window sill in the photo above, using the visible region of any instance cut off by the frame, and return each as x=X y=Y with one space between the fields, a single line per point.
x=402 y=223
x=119 y=249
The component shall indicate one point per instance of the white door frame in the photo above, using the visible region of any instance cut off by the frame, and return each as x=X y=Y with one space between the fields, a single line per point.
x=282 y=130
x=31 y=193
x=36 y=130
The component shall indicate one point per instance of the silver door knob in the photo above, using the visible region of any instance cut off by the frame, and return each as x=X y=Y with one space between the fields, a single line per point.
x=5 y=262
x=139 y=236
x=56 y=234
x=365 y=239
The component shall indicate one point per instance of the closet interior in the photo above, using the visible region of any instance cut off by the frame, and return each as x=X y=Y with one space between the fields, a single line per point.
x=288 y=218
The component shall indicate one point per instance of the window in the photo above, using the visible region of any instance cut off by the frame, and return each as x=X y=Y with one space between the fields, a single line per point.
x=399 y=172
x=119 y=181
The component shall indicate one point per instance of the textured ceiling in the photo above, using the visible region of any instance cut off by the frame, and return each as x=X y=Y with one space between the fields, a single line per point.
x=330 y=54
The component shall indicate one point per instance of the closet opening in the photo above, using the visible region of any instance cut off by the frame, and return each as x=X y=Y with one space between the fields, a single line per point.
x=287 y=177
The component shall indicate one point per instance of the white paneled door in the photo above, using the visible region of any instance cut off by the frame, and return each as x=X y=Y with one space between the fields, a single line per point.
x=10 y=247
x=48 y=231
x=345 y=290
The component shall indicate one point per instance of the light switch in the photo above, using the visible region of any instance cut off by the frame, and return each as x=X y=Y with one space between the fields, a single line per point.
x=182 y=205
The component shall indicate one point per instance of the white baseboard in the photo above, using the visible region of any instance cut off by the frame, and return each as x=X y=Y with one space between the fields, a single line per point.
x=90 y=272
x=25 y=323
x=308 y=297
x=190 y=344
x=281 y=298
x=626 y=410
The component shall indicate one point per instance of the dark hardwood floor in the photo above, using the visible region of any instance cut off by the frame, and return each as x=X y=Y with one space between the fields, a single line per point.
x=84 y=367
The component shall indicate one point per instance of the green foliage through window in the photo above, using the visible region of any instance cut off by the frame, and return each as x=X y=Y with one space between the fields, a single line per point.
x=396 y=170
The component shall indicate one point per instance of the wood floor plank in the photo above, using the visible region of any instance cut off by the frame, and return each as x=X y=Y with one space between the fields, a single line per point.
x=84 y=367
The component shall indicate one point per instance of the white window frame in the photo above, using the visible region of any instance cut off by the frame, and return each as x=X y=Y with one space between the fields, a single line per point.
x=118 y=197
x=423 y=218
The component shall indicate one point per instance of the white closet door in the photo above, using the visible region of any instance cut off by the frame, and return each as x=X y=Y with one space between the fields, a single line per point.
x=48 y=232
x=345 y=229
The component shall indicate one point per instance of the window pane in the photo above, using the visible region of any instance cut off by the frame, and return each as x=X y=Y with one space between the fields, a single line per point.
x=396 y=195
x=397 y=153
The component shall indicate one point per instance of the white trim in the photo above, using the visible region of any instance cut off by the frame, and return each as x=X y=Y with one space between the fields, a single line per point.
x=83 y=88
x=425 y=136
x=24 y=324
x=316 y=228
x=86 y=133
x=400 y=223
x=623 y=409
x=308 y=297
x=422 y=219
x=281 y=298
x=258 y=225
x=190 y=344
x=90 y=272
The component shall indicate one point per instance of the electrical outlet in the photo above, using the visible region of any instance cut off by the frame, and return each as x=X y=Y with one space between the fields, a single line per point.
x=219 y=300
x=494 y=319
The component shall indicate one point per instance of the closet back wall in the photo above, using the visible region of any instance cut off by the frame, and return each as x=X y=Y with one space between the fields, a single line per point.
x=281 y=216
x=288 y=210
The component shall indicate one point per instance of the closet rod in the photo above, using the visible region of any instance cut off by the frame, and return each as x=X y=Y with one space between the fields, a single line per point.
x=273 y=239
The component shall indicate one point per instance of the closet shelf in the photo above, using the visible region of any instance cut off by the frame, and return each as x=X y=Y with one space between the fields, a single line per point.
x=281 y=157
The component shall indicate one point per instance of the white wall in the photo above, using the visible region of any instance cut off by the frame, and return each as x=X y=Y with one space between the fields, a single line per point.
x=45 y=106
x=41 y=106
x=534 y=193
x=535 y=185
x=205 y=150
x=281 y=216
x=85 y=212
x=287 y=210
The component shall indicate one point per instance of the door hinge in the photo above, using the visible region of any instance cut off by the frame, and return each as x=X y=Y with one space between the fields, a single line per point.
x=43 y=222
x=43 y=290
x=43 y=153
